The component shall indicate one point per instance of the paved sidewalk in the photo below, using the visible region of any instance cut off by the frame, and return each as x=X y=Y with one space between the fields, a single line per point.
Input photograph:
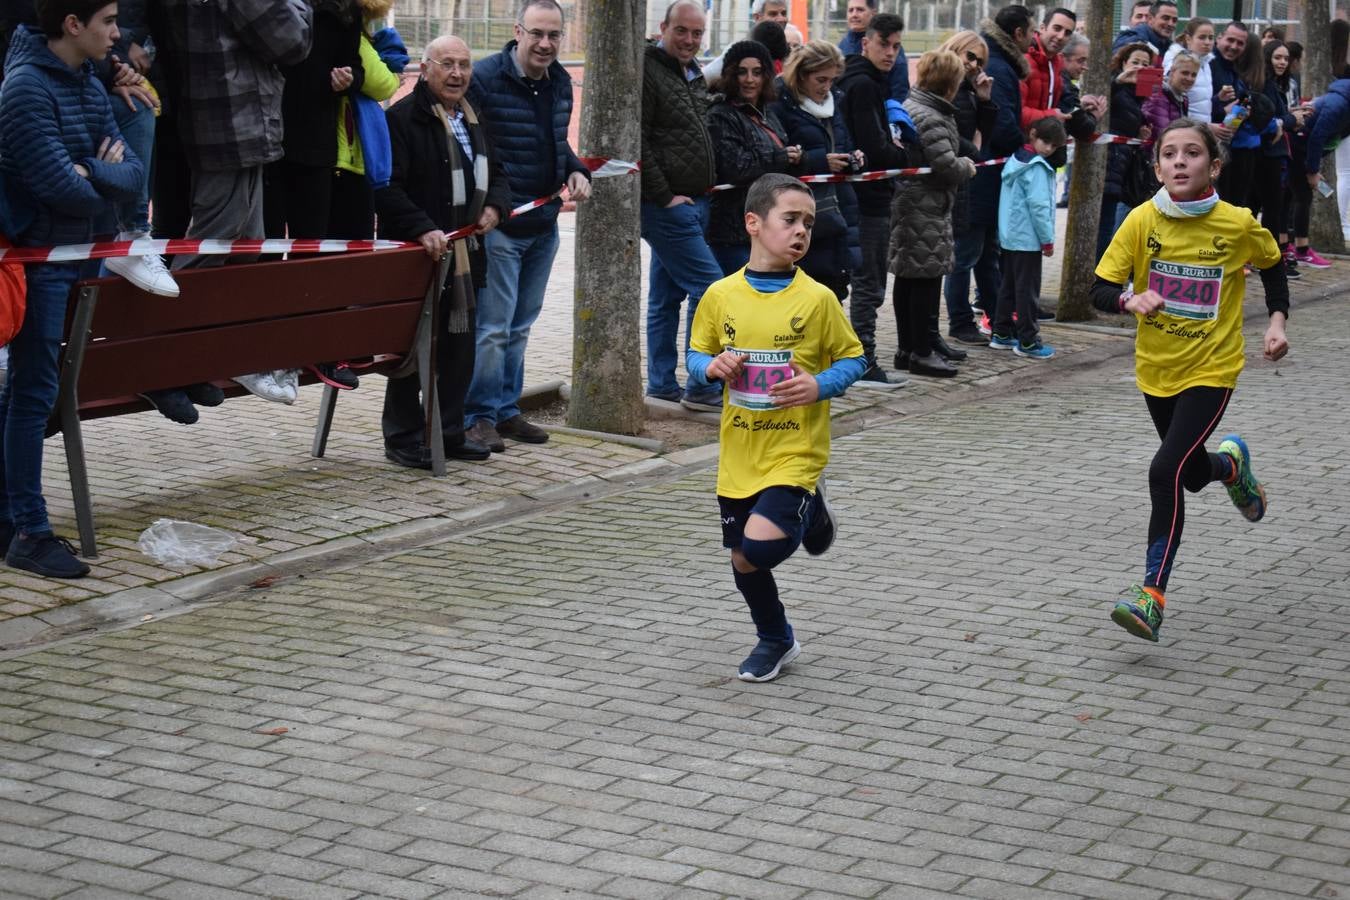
x=546 y=706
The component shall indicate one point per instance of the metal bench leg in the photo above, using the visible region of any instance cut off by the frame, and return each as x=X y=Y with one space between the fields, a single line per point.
x=327 y=405
x=68 y=406
x=73 y=437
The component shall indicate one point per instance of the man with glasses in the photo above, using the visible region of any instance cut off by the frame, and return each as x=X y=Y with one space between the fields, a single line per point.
x=445 y=176
x=525 y=98
x=677 y=170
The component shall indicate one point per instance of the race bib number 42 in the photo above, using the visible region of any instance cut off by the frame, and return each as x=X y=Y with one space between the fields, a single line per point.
x=1188 y=292
x=763 y=370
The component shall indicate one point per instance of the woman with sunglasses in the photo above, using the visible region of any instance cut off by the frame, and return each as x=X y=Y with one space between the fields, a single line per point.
x=975 y=113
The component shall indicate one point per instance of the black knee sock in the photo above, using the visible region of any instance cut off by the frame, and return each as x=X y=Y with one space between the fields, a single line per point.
x=761 y=594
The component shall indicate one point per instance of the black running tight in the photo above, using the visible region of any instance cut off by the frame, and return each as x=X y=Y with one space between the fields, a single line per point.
x=1183 y=421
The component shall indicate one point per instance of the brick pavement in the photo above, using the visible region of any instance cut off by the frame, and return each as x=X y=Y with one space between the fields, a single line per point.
x=246 y=468
x=547 y=707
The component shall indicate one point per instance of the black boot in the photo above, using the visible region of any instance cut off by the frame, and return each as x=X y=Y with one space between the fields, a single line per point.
x=940 y=345
x=931 y=365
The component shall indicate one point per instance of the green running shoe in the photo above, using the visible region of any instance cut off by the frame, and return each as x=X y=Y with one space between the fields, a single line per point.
x=1140 y=614
x=1246 y=492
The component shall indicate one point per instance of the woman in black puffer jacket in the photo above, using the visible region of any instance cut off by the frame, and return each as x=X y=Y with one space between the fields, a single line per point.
x=748 y=141
x=808 y=108
x=1126 y=120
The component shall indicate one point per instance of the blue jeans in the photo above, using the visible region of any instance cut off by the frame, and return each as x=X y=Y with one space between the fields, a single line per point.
x=138 y=130
x=30 y=393
x=682 y=265
x=976 y=251
x=517 y=275
x=731 y=257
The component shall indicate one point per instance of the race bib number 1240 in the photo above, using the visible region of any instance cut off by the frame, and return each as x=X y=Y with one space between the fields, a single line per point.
x=1188 y=292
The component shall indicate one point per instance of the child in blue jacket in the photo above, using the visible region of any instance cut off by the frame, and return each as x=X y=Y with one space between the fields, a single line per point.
x=1026 y=232
x=64 y=163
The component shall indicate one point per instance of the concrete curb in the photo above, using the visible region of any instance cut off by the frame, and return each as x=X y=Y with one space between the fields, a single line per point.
x=128 y=608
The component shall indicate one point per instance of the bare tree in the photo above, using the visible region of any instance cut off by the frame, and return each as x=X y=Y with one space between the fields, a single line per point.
x=1318 y=71
x=606 y=359
x=1089 y=178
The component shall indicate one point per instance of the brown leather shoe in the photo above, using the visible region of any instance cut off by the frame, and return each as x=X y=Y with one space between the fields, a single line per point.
x=518 y=428
x=482 y=432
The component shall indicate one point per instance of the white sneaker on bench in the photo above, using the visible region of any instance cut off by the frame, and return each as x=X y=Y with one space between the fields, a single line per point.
x=146 y=272
x=264 y=385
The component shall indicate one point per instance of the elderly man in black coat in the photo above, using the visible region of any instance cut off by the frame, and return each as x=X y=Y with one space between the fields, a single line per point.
x=446 y=176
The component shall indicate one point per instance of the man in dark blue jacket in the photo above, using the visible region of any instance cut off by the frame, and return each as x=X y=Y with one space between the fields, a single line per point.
x=64 y=163
x=526 y=100
x=1008 y=37
x=1156 y=31
x=860 y=14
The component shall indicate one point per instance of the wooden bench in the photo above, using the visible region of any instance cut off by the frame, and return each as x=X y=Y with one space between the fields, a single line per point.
x=233 y=320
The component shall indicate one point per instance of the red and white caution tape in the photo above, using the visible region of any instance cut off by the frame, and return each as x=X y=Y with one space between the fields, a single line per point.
x=145 y=246
x=600 y=167
x=883 y=174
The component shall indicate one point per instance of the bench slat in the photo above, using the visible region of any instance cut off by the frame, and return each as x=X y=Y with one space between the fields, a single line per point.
x=114 y=369
x=244 y=293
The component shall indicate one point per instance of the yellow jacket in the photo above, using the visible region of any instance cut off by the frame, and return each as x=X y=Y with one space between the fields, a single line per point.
x=380 y=84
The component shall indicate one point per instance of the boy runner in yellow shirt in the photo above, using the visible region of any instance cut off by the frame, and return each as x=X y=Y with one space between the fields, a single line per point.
x=782 y=346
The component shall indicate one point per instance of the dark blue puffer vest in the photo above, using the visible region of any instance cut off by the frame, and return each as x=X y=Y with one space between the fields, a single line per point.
x=507 y=104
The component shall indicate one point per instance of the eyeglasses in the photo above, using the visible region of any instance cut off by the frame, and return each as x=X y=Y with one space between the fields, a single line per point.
x=452 y=65
x=971 y=56
x=536 y=35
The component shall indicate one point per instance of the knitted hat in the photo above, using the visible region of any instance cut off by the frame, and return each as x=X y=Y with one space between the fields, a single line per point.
x=740 y=50
x=771 y=35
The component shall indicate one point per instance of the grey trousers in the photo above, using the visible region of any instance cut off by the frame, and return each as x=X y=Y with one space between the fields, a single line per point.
x=869 y=283
x=226 y=206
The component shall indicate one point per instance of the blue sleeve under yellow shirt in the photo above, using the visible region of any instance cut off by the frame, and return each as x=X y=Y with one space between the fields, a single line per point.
x=1196 y=264
x=803 y=322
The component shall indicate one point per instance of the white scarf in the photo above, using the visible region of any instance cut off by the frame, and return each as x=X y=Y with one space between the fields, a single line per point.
x=819 y=110
x=1185 y=209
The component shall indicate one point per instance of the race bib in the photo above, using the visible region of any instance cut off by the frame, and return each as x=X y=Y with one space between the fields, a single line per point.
x=1188 y=291
x=763 y=370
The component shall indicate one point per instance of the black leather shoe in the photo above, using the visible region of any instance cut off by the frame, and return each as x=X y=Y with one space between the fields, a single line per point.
x=931 y=365
x=470 y=451
x=414 y=457
x=902 y=360
x=945 y=350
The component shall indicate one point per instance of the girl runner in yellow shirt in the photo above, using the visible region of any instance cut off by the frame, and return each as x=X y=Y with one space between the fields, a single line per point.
x=1183 y=254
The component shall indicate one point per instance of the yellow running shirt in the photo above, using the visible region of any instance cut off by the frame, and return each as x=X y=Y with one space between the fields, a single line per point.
x=803 y=323
x=1196 y=265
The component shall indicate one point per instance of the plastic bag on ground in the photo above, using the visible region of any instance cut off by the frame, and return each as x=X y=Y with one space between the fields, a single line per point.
x=175 y=543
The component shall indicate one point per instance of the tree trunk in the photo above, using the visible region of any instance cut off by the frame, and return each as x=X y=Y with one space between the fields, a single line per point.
x=1318 y=68
x=1079 y=253
x=606 y=357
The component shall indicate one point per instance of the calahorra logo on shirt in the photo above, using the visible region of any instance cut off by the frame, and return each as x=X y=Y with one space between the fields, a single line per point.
x=796 y=329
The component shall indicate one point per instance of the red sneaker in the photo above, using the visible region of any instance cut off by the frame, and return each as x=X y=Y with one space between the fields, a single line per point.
x=985 y=328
